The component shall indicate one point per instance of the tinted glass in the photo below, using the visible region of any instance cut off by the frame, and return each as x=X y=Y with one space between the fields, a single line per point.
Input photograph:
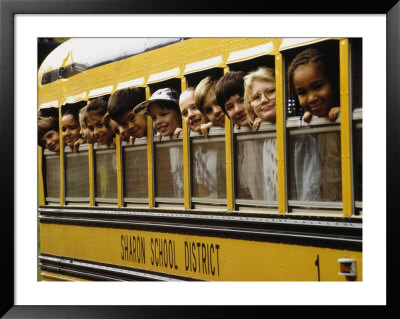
x=256 y=170
x=106 y=174
x=135 y=168
x=77 y=174
x=208 y=169
x=53 y=176
x=315 y=167
x=169 y=170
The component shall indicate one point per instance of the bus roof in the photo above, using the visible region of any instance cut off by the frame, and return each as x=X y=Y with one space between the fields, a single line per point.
x=78 y=54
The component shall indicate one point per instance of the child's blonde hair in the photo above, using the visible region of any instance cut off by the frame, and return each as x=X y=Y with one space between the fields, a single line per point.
x=82 y=114
x=205 y=86
x=261 y=74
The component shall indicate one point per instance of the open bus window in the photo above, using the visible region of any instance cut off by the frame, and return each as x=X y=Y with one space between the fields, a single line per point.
x=255 y=160
x=306 y=65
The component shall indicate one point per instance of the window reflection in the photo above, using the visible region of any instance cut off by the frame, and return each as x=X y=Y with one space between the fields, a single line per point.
x=53 y=176
x=77 y=175
x=208 y=167
x=358 y=164
x=169 y=170
x=315 y=167
x=135 y=179
x=106 y=174
x=256 y=169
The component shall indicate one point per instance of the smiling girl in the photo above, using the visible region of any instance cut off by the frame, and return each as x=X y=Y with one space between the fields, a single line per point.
x=71 y=128
x=94 y=118
x=314 y=80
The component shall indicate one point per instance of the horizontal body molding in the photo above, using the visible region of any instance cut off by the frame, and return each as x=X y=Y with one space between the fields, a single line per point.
x=204 y=254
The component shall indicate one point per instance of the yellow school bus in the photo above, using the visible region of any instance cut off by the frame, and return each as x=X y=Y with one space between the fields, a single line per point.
x=112 y=213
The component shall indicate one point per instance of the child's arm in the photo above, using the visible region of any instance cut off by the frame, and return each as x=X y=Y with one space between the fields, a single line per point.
x=75 y=148
x=333 y=113
x=204 y=128
x=256 y=123
x=131 y=140
x=159 y=136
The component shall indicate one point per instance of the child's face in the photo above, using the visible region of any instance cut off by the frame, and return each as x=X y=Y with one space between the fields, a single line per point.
x=132 y=124
x=50 y=140
x=213 y=111
x=234 y=106
x=192 y=115
x=70 y=129
x=101 y=133
x=117 y=129
x=313 y=89
x=165 y=120
x=85 y=132
x=263 y=100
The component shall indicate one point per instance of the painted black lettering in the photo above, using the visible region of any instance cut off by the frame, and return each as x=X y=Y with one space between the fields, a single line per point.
x=198 y=253
x=217 y=246
x=175 y=265
x=187 y=256
x=122 y=247
x=143 y=249
x=152 y=259
x=203 y=257
x=194 y=257
x=158 y=257
x=126 y=247
x=170 y=255
x=134 y=249
x=211 y=265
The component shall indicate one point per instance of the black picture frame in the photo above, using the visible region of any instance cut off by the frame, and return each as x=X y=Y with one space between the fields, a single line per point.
x=8 y=10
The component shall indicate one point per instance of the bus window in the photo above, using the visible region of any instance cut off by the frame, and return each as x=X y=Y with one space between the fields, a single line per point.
x=255 y=161
x=256 y=165
x=135 y=171
x=323 y=56
x=106 y=175
x=77 y=174
x=358 y=164
x=313 y=144
x=315 y=167
x=208 y=179
x=169 y=169
x=52 y=172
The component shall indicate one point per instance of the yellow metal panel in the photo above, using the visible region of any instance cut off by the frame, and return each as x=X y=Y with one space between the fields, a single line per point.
x=61 y=141
x=91 y=176
x=42 y=200
x=149 y=155
x=177 y=55
x=200 y=257
x=280 y=135
x=345 y=131
x=119 y=171
x=228 y=160
x=186 y=166
x=50 y=276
